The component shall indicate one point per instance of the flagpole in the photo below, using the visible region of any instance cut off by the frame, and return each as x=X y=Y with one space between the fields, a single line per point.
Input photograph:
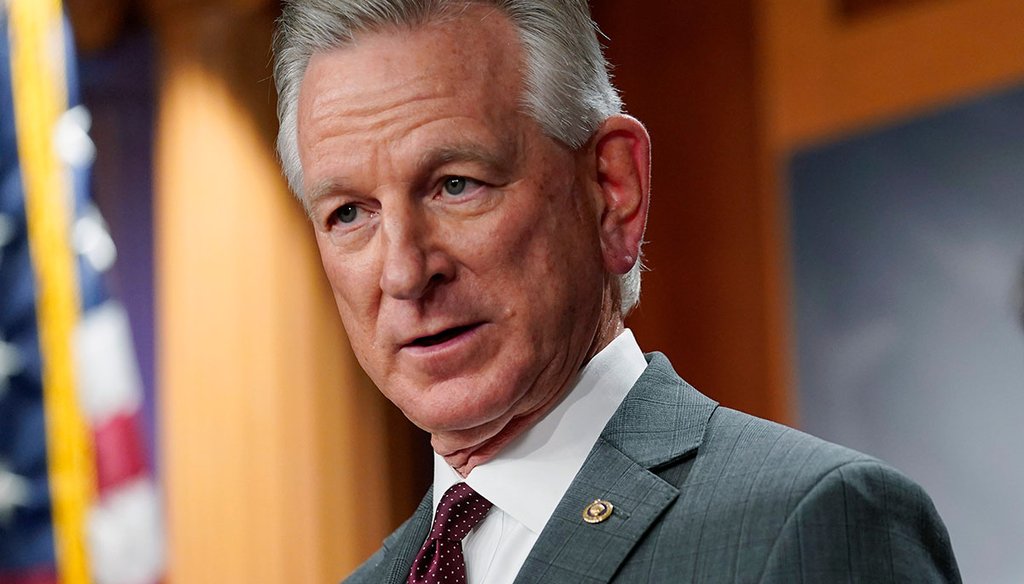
x=36 y=30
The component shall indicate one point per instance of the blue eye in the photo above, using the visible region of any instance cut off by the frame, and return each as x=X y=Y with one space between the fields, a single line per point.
x=455 y=185
x=347 y=213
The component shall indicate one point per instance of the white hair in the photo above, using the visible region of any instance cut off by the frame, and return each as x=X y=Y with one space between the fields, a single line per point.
x=568 y=90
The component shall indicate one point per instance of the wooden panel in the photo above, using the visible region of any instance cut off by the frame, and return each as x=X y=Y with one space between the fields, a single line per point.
x=862 y=8
x=825 y=75
x=96 y=23
x=272 y=438
x=714 y=300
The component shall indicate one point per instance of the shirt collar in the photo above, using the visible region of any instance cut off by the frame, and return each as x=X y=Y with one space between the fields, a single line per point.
x=530 y=476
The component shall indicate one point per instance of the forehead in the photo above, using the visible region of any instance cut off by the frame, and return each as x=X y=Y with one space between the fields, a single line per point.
x=469 y=60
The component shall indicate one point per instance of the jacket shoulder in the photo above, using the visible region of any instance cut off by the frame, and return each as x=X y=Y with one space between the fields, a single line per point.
x=760 y=501
x=863 y=521
x=739 y=442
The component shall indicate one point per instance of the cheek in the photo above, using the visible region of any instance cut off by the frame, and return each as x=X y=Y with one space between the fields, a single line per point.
x=560 y=242
x=510 y=253
x=352 y=284
x=359 y=324
x=542 y=256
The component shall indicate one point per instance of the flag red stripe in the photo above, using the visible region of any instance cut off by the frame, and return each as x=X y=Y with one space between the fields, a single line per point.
x=36 y=576
x=119 y=452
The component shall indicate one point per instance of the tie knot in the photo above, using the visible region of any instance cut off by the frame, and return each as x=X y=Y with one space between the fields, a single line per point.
x=460 y=509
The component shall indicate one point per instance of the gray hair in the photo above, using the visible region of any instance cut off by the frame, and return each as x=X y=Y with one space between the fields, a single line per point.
x=568 y=90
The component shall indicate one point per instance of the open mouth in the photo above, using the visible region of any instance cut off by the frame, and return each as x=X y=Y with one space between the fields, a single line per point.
x=443 y=336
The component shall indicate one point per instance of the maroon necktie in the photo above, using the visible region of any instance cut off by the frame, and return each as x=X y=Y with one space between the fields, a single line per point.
x=440 y=559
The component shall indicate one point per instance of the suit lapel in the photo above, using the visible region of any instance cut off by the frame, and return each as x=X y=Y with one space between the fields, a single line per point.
x=401 y=547
x=661 y=420
x=570 y=550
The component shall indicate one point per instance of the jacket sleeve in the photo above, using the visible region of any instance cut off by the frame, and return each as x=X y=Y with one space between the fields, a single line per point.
x=863 y=522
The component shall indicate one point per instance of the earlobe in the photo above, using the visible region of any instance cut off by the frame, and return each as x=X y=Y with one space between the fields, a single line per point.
x=622 y=151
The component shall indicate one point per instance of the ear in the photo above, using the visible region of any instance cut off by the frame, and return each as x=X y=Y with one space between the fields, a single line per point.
x=622 y=174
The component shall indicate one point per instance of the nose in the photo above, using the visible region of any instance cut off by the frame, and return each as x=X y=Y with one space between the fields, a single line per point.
x=414 y=261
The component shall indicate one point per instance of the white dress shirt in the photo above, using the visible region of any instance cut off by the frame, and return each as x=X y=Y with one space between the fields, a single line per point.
x=528 y=477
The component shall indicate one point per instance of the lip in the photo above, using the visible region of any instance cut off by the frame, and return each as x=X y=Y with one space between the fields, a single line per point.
x=443 y=339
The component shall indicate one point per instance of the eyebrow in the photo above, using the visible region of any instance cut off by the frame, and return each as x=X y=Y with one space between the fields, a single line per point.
x=438 y=157
x=430 y=160
x=323 y=189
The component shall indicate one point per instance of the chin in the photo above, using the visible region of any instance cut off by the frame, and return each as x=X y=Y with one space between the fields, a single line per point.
x=479 y=413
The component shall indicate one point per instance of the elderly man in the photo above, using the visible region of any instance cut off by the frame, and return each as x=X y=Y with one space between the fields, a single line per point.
x=479 y=201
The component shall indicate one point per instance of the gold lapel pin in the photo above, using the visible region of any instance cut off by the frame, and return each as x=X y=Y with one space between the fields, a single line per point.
x=598 y=511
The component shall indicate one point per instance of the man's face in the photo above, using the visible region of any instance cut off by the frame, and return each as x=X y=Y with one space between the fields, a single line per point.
x=460 y=242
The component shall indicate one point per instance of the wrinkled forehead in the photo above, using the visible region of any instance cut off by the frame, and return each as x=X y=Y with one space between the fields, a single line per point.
x=476 y=53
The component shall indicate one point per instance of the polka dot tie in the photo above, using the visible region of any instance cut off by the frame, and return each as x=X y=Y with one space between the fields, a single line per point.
x=440 y=559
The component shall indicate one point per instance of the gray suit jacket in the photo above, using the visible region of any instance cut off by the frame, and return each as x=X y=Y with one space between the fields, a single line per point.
x=703 y=493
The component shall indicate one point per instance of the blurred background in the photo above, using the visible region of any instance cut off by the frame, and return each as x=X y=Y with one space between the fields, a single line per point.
x=836 y=242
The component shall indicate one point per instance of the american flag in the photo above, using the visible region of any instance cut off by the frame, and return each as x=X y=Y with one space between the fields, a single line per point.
x=77 y=501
